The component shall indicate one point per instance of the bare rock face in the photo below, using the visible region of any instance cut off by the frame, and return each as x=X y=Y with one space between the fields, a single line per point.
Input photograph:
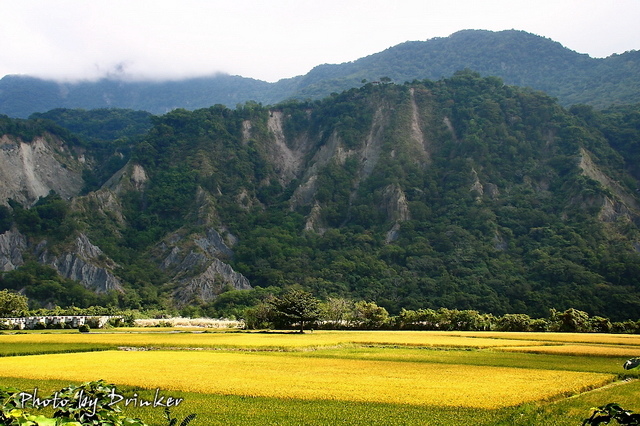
x=621 y=204
x=87 y=264
x=131 y=177
x=31 y=170
x=196 y=264
x=214 y=245
x=12 y=244
x=207 y=285
x=394 y=204
x=287 y=160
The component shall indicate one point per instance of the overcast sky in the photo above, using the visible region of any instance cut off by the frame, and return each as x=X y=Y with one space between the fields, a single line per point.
x=274 y=39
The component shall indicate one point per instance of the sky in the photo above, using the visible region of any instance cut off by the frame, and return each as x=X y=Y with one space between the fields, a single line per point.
x=274 y=39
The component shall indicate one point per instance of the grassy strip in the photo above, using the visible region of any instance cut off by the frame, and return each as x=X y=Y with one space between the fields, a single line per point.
x=482 y=357
x=581 y=350
x=23 y=348
x=589 y=338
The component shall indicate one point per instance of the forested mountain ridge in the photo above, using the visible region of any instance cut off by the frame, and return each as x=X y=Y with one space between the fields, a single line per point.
x=519 y=58
x=462 y=193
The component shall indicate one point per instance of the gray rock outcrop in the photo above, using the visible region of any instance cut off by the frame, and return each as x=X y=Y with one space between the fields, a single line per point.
x=12 y=244
x=196 y=264
x=213 y=244
x=87 y=264
x=210 y=283
x=31 y=170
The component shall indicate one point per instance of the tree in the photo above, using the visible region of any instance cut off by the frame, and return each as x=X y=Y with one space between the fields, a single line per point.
x=369 y=315
x=259 y=316
x=12 y=304
x=575 y=321
x=600 y=324
x=514 y=322
x=6 y=219
x=296 y=307
x=335 y=311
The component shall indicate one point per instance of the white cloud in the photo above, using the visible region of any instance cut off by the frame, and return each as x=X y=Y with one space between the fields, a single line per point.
x=274 y=39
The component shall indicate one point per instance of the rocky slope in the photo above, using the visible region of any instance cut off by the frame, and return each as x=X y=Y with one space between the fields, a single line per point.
x=29 y=170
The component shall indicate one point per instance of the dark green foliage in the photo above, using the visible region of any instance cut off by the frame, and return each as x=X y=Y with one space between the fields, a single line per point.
x=89 y=404
x=49 y=216
x=6 y=219
x=517 y=57
x=11 y=400
x=99 y=124
x=295 y=307
x=12 y=304
x=612 y=411
x=27 y=130
x=173 y=421
x=621 y=127
x=105 y=410
x=233 y=303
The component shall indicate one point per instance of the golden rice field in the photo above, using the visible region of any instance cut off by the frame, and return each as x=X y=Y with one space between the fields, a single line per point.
x=488 y=375
x=275 y=375
x=284 y=341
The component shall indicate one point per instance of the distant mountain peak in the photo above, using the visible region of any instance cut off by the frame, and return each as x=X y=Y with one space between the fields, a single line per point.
x=516 y=56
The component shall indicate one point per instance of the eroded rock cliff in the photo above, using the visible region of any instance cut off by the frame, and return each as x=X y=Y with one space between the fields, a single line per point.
x=12 y=244
x=83 y=262
x=195 y=263
x=31 y=170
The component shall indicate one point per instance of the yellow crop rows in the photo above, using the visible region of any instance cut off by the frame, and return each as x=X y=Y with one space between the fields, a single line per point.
x=273 y=340
x=282 y=376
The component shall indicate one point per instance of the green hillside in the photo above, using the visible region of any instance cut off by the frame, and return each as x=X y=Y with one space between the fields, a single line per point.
x=462 y=193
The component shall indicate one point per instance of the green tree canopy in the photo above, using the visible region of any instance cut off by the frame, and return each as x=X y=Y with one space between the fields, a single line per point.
x=296 y=307
x=12 y=304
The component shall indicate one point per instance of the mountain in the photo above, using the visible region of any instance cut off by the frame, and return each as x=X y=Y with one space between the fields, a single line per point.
x=462 y=193
x=20 y=96
x=519 y=58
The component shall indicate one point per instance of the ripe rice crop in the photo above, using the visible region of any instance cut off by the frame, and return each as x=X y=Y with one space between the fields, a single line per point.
x=278 y=341
x=281 y=375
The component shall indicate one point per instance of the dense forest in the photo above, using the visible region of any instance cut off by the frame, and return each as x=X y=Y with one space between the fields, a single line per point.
x=462 y=193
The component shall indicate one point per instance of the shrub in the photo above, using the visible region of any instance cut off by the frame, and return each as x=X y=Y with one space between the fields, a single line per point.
x=103 y=412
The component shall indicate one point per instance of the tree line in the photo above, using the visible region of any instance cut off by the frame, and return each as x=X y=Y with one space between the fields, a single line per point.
x=298 y=309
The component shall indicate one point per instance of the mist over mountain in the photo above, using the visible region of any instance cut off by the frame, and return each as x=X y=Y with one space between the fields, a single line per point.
x=519 y=58
x=464 y=193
